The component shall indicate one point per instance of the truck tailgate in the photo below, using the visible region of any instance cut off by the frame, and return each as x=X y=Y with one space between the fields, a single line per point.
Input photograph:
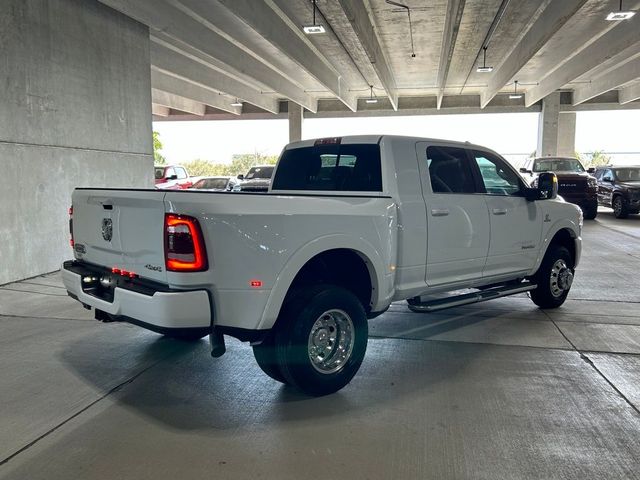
x=121 y=228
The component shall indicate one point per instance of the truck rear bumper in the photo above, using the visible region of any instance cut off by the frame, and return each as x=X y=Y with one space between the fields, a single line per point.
x=164 y=309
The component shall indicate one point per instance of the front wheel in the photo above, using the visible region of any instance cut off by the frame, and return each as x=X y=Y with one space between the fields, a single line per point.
x=620 y=207
x=321 y=339
x=554 y=278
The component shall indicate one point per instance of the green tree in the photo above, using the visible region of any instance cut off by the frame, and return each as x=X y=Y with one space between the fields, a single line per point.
x=158 y=158
x=241 y=163
x=204 y=168
x=597 y=158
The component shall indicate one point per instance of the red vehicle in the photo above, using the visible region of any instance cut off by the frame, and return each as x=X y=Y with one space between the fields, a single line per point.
x=172 y=177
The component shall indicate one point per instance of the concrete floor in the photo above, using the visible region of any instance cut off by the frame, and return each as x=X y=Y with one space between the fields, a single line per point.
x=495 y=390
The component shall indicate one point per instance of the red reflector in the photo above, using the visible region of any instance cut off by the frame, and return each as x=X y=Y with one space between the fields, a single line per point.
x=115 y=270
x=328 y=141
x=71 y=210
x=255 y=283
x=132 y=275
x=183 y=244
x=71 y=242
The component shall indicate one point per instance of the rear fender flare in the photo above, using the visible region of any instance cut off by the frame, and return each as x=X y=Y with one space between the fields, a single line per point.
x=284 y=279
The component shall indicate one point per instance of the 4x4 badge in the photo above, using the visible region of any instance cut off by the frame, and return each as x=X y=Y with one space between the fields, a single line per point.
x=107 y=229
x=547 y=218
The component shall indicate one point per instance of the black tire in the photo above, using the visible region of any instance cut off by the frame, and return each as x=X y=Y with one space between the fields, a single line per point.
x=187 y=335
x=265 y=355
x=546 y=294
x=620 y=207
x=333 y=306
x=590 y=212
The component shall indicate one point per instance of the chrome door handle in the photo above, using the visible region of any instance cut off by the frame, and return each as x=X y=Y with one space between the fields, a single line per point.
x=499 y=211
x=439 y=212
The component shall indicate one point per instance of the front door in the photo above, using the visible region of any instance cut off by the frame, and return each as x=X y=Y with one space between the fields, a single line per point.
x=457 y=218
x=516 y=223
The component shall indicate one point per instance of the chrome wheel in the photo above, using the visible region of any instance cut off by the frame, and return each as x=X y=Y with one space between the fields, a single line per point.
x=561 y=278
x=331 y=341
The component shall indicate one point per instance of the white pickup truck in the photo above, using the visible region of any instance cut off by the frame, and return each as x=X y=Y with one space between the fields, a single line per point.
x=349 y=225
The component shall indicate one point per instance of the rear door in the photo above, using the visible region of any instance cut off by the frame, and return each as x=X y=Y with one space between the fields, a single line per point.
x=516 y=224
x=122 y=229
x=457 y=219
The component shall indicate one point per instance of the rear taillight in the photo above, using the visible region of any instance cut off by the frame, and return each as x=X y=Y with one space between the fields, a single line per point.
x=71 y=242
x=183 y=244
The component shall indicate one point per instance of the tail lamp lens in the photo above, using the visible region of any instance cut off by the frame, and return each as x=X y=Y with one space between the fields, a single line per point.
x=184 y=246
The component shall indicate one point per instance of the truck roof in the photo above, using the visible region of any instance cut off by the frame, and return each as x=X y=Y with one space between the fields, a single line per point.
x=350 y=139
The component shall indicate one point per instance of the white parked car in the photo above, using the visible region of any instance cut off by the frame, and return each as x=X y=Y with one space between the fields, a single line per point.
x=349 y=225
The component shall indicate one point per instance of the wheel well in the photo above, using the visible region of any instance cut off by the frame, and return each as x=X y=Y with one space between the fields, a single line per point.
x=341 y=267
x=565 y=238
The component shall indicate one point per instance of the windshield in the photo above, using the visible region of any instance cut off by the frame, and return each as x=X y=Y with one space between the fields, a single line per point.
x=628 y=174
x=159 y=172
x=557 y=165
x=212 y=184
x=259 y=172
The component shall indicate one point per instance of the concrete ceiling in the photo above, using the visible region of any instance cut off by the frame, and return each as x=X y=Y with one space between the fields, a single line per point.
x=207 y=54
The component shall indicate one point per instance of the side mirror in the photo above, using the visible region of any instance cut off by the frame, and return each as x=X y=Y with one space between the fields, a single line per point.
x=591 y=170
x=241 y=177
x=547 y=186
x=607 y=179
x=172 y=177
x=524 y=170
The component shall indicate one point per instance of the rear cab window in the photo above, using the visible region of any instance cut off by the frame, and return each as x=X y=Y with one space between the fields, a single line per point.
x=330 y=168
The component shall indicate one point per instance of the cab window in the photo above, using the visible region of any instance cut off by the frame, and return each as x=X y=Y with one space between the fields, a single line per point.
x=449 y=170
x=181 y=173
x=497 y=177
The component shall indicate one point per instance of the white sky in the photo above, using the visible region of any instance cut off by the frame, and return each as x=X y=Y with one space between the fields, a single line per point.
x=507 y=133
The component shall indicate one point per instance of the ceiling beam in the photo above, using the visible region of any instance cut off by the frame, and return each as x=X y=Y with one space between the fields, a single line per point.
x=455 y=9
x=168 y=59
x=180 y=23
x=177 y=102
x=273 y=25
x=358 y=17
x=177 y=86
x=552 y=18
x=629 y=93
x=625 y=73
x=159 y=110
x=614 y=41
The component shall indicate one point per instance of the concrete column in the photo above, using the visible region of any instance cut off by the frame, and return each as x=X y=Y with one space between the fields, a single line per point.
x=75 y=110
x=295 y=122
x=548 y=126
x=567 y=134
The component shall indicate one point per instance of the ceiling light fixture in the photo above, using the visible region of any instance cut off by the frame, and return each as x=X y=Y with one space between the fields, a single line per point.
x=400 y=5
x=315 y=28
x=372 y=98
x=620 y=14
x=237 y=103
x=515 y=95
x=484 y=68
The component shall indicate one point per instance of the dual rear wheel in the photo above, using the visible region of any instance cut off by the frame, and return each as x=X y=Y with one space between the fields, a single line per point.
x=319 y=341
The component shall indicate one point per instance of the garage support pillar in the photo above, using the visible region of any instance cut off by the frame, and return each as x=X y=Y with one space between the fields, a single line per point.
x=567 y=134
x=295 y=122
x=556 y=130
x=548 y=126
x=75 y=111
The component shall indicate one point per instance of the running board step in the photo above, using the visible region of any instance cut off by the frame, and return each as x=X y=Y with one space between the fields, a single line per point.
x=476 y=297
